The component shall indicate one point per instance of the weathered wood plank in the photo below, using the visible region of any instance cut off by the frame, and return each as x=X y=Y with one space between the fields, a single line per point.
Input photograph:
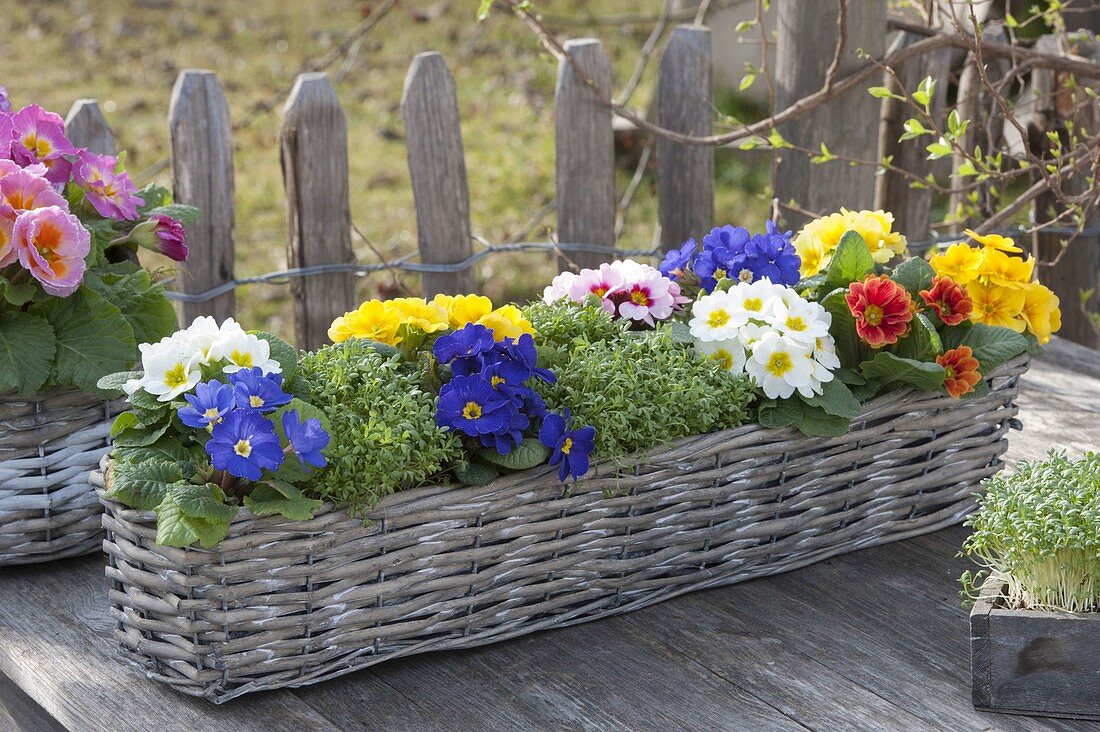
x=685 y=103
x=200 y=135
x=314 y=155
x=1073 y=270
x=86 y=127
x=848 y=124
x=20 y=713
x=912 y=207
x=62 y=653
x=585 y=143
x=437 y=167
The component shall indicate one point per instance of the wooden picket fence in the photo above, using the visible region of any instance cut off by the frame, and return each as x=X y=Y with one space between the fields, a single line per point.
x=315 y=158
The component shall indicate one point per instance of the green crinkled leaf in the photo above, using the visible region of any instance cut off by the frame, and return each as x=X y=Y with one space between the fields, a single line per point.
x=816 y=422
x=836 y=399
x=279 y=497
x=886 y=368
x=147 y=402
x=93 y=339
x=203 y=501
x=992 y=345
x=186 y=215
x=851 y=262
x=114 y=382
x=140 y=436
x=17 y=295
x=177 y=527
x=142 y=485
x=476 y=474
x=843 y=329
x=26 y=352
x=914 y=275
x=164 y=450
x=774 y=414
x=123 y=422
x=153 y=196
x=523 y=456
x=282 y=352
x=922 y=343
x=143 y=304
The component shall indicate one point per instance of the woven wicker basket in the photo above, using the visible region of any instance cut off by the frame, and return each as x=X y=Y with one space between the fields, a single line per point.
x=281 y=603
x=48 y=445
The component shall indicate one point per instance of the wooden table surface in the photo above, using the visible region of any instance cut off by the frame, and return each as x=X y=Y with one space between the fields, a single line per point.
x=874 y=640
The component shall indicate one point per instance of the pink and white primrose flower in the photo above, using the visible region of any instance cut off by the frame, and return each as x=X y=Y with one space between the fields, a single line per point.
x=38 y=136
x=21 y=190
x=51 y=243
x=109 y=190
x=625 y=289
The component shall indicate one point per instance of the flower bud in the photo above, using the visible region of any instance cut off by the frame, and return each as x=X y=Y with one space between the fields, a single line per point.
x=162 y=234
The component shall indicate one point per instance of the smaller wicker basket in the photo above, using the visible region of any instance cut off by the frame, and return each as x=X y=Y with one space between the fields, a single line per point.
x=48 y=445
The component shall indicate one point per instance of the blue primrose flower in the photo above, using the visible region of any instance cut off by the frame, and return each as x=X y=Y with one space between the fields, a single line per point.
x=676 y=261
x=522 y=354
x=472 y=406
x=471 y=340
x=307 y=439
x=728 y=237
x=511 y=435
x=771 y=255
x=253 y=390
x=723 y=255
x=211 y=401
x=244 y=443
x=571 y=447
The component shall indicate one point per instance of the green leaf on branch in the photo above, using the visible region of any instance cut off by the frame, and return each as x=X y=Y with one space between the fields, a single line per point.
x=93 y=338
x=523 y=456
x=851 y=262
x=192 y=514
x=888 y=369
x=279 y=497
x=27 y=350
x=142 y=485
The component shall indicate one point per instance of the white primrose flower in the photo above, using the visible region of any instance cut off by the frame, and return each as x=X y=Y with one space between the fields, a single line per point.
x=825 y=353
x=756 y=299
x=170 y=370
x=244 y=351
x=751 y=333
x=729 y=354
x=558 y=287
x=779 y=365
x=801 y=320
x=716 y=317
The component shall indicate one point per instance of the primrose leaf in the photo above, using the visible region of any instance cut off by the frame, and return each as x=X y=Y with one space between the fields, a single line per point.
x=886 y=368
x=850 y=263
x=142 y=485
x=523 y=456
x=27 y=349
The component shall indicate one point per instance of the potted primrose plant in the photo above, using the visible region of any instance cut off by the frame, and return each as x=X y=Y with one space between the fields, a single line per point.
x=1035 y=624
x=74 y=305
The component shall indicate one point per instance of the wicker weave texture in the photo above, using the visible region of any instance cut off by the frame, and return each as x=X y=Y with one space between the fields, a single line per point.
x=282 y=603
x=48 y=445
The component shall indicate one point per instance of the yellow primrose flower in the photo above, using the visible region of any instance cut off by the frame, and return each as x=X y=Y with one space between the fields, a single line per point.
x=994 y=241
x=415 y=311
x=443 y=301
x=822 y=234
x=875 y=228
x=507 y=321
x=995 y=305
x=373 y=319
x=1041 y=312
x=960 y=262
x=1001 y=269
x=813 y=255
x=464 y=309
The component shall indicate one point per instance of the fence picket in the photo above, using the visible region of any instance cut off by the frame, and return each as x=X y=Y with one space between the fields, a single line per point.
x=848 y=124
x=437 y=167
x=912 y=207
x=86 y=127
x=200 y=135
x=685 y=174
x=585 y=142
x=315 y=173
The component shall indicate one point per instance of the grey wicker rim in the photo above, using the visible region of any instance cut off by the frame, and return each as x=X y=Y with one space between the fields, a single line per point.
x=282 y=603
x=48 y=445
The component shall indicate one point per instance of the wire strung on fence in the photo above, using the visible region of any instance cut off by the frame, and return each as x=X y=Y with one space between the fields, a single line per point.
x=406 y=264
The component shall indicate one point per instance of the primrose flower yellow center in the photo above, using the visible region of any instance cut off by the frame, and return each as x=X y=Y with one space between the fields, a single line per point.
x=567 y=446
x=873 y=314
x=243 y=448
x=755 y=304
x=497 y=380
x=780 y=363
x=244 y=360
x=718 y=318
x=255 y=402
x=724 y=359
x=745 y=275
x=796 y=323
x=176 y=376
x=719 y=273
x=211 y=413
x=472 y=410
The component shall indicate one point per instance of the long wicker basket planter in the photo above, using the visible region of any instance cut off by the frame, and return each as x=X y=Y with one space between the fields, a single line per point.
x=281 y=603
x=48 y=445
